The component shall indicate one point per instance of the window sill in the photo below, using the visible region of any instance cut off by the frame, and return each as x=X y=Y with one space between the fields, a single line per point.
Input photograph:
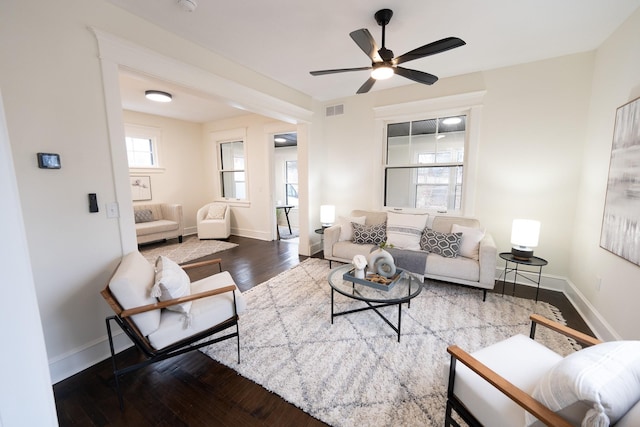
x=146 y=170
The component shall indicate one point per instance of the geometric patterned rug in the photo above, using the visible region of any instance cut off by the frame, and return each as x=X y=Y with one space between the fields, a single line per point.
x=354 y=372
x=191 y=248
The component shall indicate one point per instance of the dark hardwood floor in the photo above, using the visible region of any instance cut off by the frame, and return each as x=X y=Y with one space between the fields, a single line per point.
x=192 y=389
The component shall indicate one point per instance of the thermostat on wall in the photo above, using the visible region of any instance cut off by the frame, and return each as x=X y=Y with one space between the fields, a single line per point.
x=49 y=161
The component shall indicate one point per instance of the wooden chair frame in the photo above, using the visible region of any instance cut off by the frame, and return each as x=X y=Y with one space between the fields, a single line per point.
x=519 y=396
x=123 y=318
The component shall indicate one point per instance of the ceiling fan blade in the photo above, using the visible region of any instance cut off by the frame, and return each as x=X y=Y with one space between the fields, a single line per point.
x=416 y=76
x=365 y=41
x=431 y=49
x=367 y=85
x=337 y=70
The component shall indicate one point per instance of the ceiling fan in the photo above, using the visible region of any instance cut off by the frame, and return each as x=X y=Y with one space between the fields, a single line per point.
x=383 y=63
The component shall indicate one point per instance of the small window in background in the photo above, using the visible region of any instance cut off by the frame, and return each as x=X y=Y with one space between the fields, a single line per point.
x=232 y=171
x=140 y=152
x=291 y=182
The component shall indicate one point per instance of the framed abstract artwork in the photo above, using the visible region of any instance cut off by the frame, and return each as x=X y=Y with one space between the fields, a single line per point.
x=140 y=187
x=621 y=220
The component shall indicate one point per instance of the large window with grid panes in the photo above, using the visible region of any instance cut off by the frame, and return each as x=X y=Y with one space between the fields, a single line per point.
x=425 y=163
x=232 y=170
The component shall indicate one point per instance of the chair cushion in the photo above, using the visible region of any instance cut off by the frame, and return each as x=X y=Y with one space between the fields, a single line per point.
x=404 y=230
x=346 y=230
x=216 y=211
x=595 y=386
x=470 y=243
x=445 y=244
x=207 y=312
x=171 y=282
x=520 y=359
x=131 y=287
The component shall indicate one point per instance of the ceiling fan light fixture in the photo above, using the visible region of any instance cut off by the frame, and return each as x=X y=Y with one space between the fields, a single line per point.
x=158 y=95
x=382 y=72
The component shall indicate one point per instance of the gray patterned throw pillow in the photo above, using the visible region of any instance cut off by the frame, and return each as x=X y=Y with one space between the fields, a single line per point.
x=143 y=215
x=371 y=234
x=445 y=244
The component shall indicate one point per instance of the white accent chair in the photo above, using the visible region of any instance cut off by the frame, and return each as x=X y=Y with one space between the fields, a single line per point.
x=498 y=385
x=213 y=221
x=160 y=333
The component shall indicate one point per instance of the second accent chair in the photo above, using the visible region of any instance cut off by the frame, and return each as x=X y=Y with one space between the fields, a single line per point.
x=214 y=221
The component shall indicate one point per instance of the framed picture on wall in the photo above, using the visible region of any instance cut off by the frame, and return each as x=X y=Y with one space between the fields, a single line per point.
x=140 y=188
x=621 y=223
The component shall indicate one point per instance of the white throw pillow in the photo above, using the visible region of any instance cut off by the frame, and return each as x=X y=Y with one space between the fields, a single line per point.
x=216 y=211
x=470 y=243
x=171 y=282
x=404 y=230
x=595 y=386
x=346 y=230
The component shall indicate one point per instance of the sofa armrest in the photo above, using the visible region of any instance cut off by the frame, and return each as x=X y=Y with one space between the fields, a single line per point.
x=331 y=236
x=488 y=253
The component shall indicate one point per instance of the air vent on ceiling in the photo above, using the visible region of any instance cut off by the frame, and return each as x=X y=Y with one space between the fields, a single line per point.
x=335 y=110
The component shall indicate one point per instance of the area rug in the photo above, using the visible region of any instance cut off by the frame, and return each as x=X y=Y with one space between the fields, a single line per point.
x=354 y=372
x=191 y=248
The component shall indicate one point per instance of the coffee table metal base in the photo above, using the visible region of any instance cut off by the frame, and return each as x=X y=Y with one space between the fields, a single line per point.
x=375 y=308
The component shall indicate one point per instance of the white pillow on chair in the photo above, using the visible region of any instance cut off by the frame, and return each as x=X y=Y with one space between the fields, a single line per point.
x=216 y=211
x=171 y=282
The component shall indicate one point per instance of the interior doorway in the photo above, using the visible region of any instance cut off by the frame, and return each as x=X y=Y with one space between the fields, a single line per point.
x=285 y=179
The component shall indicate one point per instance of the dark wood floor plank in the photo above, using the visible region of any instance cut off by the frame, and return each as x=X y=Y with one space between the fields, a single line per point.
x=194 y=390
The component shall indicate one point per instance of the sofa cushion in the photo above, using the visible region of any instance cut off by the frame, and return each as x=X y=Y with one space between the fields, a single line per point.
x=346 y=230
x=404 y=230
x=369 y=234
x=373 y=217
x=593 y=387
x=445 y=244
x=171 y=282
x=347 y=250
x=216 y=211
x=158 y=226
x=207 y=312
x=455 y=268
x=143 y=215
x=470 y=242
x=131 y=287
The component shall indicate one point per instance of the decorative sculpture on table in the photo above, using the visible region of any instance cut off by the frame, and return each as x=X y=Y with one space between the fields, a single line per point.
x=359 y=263
x=381 y=262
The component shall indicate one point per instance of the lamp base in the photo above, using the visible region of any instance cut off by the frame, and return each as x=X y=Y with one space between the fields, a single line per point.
x=522 y=253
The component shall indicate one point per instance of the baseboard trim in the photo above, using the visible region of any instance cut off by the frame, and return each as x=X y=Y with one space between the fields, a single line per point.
x=70 y=363
x=587 y=311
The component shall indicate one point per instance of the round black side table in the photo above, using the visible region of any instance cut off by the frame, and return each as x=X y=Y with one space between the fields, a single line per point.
x=534 y=261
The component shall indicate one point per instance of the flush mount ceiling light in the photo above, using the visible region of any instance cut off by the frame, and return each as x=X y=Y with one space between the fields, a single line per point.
x=188 y=5
x=158 y=95
x=280 y=139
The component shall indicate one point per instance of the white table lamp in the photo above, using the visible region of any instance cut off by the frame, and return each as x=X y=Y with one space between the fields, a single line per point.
x=327 y=215
x=524 y=237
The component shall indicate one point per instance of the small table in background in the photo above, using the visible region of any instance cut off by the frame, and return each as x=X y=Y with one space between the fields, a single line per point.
x=534 y=261
x=286 y=209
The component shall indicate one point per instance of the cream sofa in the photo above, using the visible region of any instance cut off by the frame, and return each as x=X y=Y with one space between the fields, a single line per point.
x=158 y=221
x=478 y=273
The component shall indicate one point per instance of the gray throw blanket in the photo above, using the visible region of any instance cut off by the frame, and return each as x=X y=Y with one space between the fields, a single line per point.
x=412 y=261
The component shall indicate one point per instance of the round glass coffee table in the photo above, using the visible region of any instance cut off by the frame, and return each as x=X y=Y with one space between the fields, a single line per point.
x=405 y=289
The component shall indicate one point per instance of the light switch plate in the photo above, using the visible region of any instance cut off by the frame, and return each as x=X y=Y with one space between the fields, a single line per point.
x=112 y=210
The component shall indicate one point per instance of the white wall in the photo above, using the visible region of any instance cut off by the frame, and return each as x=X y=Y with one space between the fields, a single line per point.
x=182 y=176
x=52 y=78
x=616 y=81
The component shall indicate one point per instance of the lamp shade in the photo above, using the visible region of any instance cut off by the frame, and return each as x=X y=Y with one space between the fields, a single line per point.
x=524 y=237
x=327 y=214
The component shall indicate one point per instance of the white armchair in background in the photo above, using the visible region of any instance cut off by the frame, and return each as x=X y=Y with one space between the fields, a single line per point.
x=214 y=221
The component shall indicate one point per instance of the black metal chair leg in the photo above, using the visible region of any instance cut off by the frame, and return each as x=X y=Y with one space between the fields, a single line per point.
x=113 y=363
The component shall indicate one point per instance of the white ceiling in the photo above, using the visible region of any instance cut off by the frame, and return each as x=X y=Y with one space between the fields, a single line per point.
x=285 y=39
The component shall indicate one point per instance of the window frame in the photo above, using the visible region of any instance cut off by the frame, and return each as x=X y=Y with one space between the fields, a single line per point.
x=154 y=134
x=224 y=137
x=470 y=104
